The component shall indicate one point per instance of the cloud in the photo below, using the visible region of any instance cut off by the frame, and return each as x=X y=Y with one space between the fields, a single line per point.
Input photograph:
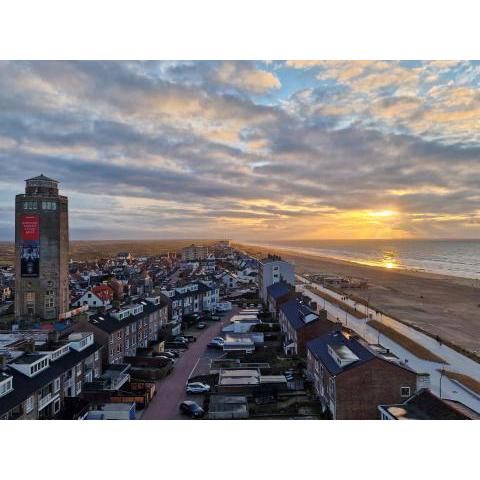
x=175 y=149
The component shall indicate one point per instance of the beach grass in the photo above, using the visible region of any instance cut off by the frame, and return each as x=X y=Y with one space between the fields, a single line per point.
x=408 y=344
x=347 y=308
x=469 y=382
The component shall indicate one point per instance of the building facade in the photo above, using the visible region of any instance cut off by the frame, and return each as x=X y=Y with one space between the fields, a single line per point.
x=299 y=324
x=41 y=251
x=273 y=269
x=351 y=381
x=121 y=332
x=37 y=377
x=194 y=252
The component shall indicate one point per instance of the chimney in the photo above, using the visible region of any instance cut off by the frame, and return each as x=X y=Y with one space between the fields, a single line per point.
x=3 y=362
x=28 y=346
x=52 y=336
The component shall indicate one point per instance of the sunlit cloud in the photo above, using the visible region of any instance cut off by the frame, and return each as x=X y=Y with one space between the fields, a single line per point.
x=253 y=150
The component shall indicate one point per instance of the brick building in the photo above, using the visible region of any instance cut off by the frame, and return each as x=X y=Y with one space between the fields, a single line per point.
x=277 y=295
x=299 y=324
x=122 y=331
x=41 y=251
x=351 y=380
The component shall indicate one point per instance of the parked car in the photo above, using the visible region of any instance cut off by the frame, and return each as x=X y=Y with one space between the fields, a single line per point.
x=166 y=357
x=175 y=344
x=174 y=353
x=190 y=338
x=167 y=354
x=197 y=387
x=201 y=326
x=180 y=338
x=215 y=318
x=193 y=409
x=216 y=342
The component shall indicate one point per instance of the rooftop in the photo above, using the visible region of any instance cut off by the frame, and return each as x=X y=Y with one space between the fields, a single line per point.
x=322 y=347
x=424 y=405
x=297 y=313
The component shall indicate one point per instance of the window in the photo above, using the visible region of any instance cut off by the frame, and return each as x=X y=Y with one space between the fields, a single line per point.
x=29 y=404
x=49 y=205
x=56 y=385
x=79 y=370
x=50 y=299
x=405 y=392
x=79 y=387
x=5 y=387
x=96 y=355
x=56 y=406
x=331 y=386
x=29 y=205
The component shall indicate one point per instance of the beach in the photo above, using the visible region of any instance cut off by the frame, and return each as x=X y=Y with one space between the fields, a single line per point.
x=440 y=305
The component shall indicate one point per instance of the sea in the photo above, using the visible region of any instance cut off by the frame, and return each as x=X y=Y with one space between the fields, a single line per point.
x=459 y=258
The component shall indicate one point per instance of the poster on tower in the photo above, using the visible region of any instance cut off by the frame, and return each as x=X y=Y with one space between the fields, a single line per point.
x=30 y=249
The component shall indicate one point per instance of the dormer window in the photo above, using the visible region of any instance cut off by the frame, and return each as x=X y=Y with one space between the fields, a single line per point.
x=6 y=385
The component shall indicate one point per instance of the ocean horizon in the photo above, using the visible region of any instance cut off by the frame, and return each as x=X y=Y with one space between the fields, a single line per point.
x=458 y=258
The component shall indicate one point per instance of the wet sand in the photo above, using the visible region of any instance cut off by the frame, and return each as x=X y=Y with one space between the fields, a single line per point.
x=438 y=304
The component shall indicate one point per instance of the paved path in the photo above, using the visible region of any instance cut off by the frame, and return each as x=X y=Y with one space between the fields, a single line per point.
x=457 y=362
x=171 y=390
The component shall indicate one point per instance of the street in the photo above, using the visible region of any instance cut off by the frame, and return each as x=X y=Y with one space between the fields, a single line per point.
x=171 y=390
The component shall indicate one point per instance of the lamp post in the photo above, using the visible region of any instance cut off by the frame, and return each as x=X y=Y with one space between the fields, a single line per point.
x=442 y=371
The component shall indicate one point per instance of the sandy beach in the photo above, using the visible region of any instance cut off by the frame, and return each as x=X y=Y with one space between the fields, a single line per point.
x=438 y=304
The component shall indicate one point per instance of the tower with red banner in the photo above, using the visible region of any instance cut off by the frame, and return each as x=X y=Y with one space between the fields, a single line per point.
x=41 y=251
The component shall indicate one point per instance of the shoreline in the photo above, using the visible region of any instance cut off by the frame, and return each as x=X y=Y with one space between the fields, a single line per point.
x=439 y=305
x=304 y=253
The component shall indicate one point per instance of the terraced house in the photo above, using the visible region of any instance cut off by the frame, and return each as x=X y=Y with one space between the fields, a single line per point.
x=193 y=298
x=37 y=374
x=125 y=330
x=299 y=324
x=352 y=380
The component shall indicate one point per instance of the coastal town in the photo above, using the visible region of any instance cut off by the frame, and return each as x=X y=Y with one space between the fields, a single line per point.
x=205 y=331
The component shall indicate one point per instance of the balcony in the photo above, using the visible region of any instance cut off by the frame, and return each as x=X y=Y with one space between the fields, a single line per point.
x=46 y=400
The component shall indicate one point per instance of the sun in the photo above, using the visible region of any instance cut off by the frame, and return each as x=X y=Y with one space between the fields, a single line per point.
x=389 y=265
x=382 y=213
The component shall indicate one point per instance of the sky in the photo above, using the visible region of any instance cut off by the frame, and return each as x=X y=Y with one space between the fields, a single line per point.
x=275 y=150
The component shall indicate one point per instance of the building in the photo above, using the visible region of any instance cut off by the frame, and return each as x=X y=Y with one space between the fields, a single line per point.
x=299 y=324
x=277 y=295
x=125 y=330
x=37 y=375
x=194 y=252
x=100 y=296
x=194 y=298
x=41 y=251
x=273 y=269
x=424 y=405
x=351 y=380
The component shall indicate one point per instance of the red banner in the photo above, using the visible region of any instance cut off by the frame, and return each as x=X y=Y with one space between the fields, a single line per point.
x=30 y=230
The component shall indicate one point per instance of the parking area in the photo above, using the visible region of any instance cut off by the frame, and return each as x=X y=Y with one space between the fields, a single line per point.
x=171 y=390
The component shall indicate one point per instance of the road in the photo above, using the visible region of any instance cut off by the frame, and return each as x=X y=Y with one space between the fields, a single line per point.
x=456 y=361
x=171 y=390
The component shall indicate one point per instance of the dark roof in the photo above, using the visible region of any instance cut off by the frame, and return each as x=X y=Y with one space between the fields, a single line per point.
x=424 y=405
x=110 y=324
x=29 y=358
x=319 y=349
x=24 y=386
x=278 y=290
x=42 y=177
x=295 y=312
